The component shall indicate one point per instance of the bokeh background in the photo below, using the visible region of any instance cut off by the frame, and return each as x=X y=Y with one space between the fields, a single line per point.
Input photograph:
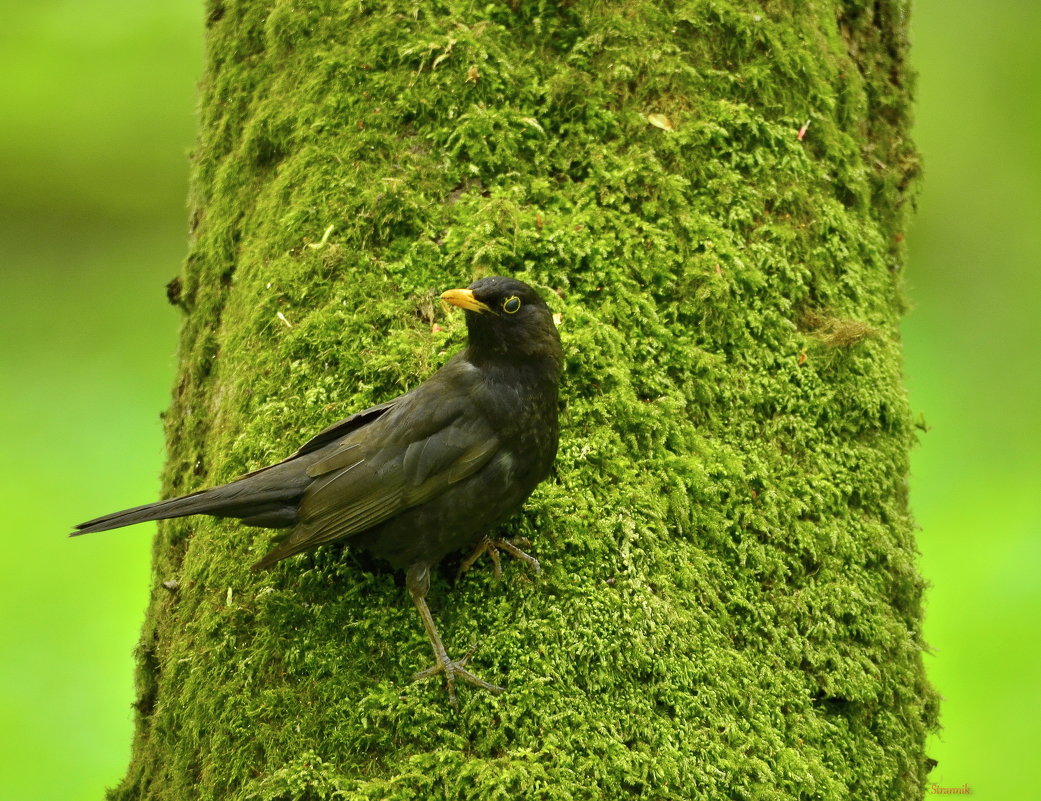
x=97 y=103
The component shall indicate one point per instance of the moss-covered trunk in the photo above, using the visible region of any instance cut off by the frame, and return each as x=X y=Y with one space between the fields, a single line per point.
x=730 y=606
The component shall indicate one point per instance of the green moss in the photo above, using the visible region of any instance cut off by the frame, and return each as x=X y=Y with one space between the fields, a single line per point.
x=730 y=606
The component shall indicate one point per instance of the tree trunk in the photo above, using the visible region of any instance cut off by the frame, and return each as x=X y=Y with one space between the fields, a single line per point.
x=730 y=606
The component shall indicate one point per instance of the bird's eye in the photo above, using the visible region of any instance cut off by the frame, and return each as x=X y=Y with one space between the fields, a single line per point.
x=511 y=305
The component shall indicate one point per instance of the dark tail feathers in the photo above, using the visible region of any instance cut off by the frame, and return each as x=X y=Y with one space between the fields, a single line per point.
x=257 y=500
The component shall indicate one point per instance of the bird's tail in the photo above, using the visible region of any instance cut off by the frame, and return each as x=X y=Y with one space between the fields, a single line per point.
x=258 y=499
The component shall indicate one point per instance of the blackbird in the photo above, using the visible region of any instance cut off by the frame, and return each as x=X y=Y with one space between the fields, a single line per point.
x=420 y=476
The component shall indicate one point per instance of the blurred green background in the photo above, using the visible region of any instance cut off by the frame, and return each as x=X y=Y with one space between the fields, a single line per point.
x=97 y=102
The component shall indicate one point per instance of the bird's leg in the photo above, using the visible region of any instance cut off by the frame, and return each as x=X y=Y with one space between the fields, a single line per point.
x=491 y=546
x=418 y=580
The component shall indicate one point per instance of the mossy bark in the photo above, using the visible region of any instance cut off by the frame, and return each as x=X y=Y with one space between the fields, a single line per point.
x=730 y=606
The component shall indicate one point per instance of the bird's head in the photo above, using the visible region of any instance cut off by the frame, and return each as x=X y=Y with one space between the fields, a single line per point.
x=506 y=318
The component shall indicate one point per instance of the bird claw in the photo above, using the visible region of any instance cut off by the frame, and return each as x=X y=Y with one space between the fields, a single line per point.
x=456 y=668
x=492 y=546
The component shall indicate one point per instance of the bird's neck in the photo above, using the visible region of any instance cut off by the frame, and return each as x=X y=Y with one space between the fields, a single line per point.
x=540 y=368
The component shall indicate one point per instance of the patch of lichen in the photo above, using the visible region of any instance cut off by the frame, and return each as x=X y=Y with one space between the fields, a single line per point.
x=730 y=606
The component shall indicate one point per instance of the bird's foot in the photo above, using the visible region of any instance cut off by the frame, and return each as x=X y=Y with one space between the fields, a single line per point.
x=492 y=546
x=454 y=669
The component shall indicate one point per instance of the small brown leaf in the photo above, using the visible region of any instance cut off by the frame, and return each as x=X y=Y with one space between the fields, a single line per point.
x=661 y=121
x=472 y=74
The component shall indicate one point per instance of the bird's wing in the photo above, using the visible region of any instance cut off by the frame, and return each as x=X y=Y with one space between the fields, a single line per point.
x=343 y=427
x=330 y=434
x=410 y=457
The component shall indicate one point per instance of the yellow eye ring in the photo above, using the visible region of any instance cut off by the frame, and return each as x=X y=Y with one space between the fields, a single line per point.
x=511 y=305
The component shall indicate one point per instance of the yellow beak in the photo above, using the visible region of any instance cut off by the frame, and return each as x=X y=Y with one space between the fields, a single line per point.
x=464 y=299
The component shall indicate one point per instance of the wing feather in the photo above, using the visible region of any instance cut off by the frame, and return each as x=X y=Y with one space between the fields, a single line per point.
x=347 y=455
x=394 y=457
x=367 y=492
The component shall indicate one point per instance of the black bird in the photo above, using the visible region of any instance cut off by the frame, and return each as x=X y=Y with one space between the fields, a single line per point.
x=420 y=476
